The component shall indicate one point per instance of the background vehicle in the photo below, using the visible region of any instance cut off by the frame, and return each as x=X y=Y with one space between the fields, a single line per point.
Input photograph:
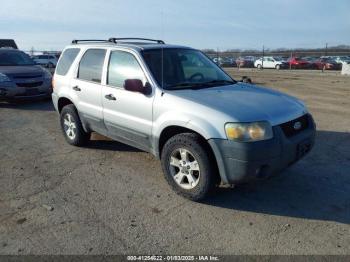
x=326 y=64
x=228 y=62
x=298 y=63
x=46 y=60
x=21 y=78
x=341 y=59
x=269 y=62
x=247 y=61
x=218 y=60
x=175 y=103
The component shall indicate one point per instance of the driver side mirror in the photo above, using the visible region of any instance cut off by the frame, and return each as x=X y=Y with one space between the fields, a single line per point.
x=136 y=85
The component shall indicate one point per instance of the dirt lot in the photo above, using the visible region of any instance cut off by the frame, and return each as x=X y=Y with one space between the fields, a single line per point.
x=109 y=198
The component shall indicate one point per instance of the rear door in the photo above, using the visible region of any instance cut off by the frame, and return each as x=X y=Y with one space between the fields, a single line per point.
x=127 y=115
x=86 y=88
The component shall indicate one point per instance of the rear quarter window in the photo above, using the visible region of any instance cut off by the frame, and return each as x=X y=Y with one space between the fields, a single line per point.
x=66 y=60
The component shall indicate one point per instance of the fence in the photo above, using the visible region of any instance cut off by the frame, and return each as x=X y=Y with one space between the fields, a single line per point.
x=279 y=53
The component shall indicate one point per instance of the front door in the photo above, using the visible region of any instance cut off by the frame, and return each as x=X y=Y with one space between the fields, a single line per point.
x=127 y=115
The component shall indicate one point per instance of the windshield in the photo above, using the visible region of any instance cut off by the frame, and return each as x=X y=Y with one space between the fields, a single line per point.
x=15 y=58
x=184 y=68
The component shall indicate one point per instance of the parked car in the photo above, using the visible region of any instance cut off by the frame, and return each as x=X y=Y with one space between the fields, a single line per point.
x=341 y=59
x=270 y=62
x=205 y=127
x=49 y=61
x=326 y=64
x=217 y=60
x=247 y=61
x=228 y=62
x=21 y=78
x=298 y=63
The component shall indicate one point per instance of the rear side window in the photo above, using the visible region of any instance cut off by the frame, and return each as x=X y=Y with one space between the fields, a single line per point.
x=123 y=66
x=66 y=60
x=91 y=65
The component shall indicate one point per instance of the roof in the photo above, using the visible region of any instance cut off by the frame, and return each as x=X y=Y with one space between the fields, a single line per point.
x=144 y=44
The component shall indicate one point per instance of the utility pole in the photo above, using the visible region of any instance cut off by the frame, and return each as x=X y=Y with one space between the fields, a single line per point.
x=262 y=59
x=326 y=53
x=217 y=55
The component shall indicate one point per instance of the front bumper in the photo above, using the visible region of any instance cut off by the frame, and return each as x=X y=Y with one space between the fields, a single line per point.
x=10 y=91
x=242 y=162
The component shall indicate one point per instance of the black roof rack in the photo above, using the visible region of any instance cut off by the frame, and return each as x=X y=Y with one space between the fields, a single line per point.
x=89 y=40
x=115 y=40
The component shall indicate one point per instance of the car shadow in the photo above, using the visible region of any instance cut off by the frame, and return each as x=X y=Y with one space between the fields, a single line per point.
x=111 y=146
x=315 y=188
x=100 y=142
x=38 y=105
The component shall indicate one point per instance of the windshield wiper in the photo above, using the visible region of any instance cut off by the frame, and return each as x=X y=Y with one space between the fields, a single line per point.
x=213 y=82
x=191 y=85
x=183 y=85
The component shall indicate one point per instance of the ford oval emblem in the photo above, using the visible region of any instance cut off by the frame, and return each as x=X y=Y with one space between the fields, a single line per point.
x=297 y=125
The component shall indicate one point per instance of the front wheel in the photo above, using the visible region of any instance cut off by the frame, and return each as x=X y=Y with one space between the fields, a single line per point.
x=278 y=67
x=188 y=166
x=259 y=66
x=72 y=128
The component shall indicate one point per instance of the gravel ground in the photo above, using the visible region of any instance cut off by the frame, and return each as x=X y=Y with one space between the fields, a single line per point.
x=109 y=198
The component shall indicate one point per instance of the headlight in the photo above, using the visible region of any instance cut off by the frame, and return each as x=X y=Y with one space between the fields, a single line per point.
x=248 y=132
x=4 y=78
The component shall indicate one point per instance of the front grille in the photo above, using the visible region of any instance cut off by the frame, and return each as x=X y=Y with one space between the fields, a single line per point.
x=289 y=127
x=34 y=84
x=26 y=76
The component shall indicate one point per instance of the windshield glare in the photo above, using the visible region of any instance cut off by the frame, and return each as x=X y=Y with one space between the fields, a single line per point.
x=183 y=68
x=15 y=58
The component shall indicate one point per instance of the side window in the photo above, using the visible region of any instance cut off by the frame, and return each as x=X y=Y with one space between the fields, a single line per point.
x=66 y=60
x=123 y=66
x=91 y=64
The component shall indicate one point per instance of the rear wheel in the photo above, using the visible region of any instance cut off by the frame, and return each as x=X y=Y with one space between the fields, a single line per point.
x=187 y=166
x=278 y=67
x=72 y=128
x=259 y=66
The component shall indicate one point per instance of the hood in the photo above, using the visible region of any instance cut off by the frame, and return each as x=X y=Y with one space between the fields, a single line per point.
x=245 y=103
x=21 y=70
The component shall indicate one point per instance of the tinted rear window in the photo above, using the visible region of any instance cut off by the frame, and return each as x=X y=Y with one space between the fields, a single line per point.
x=91 y=65
x=66 y=60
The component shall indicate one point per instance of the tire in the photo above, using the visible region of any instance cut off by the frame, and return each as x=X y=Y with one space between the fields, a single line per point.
x=189 y=147
x=259 y=66
x=79 y=137
x=278 y=67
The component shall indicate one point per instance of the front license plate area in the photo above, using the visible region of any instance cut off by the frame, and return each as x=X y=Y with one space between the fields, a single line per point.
x=32 y=91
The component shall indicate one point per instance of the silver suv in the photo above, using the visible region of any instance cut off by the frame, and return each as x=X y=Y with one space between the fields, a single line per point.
x=177 y=104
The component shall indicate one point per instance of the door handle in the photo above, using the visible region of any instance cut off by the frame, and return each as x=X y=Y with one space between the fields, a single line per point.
x=76 y=88
x=110 y=97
